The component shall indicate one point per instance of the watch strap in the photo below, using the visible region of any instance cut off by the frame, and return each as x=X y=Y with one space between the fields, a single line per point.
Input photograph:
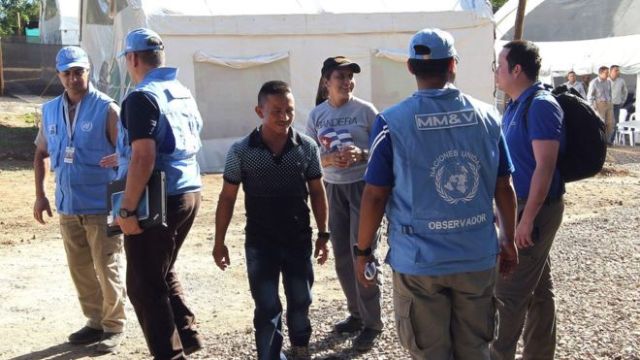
x=358 y=252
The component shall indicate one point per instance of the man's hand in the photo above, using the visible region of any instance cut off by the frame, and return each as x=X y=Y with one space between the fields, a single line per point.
x=129 y=225
x=321 y=252
x=508 y=258
x=523 y=234
x=41 y=204
x=221 y=256
x=109 y=161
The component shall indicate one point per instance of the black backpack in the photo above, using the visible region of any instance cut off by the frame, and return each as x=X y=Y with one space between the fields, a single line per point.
x=586 y=142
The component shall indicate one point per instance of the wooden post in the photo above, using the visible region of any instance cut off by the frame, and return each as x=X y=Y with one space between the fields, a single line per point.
x=519 y=29
x=19 y=23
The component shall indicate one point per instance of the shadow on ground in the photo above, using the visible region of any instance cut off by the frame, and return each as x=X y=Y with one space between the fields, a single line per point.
x=64 y=351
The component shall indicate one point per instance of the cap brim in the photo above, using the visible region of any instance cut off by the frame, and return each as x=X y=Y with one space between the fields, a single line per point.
x=353 y=66
x=68 y=66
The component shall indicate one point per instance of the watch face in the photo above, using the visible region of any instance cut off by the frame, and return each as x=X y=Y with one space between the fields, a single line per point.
x=123 y=213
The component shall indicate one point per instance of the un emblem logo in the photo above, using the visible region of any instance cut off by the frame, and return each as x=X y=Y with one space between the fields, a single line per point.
x=457 y=176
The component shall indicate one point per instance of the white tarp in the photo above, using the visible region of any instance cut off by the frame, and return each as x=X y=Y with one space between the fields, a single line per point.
x=239 y=63
x=598 y=33
x=577 y=35
x=59 y=22
x=226 y=50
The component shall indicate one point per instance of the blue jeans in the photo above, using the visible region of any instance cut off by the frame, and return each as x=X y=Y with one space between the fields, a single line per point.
x=265 y=262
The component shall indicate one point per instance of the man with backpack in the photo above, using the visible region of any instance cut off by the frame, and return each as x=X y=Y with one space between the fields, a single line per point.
x=533 y=128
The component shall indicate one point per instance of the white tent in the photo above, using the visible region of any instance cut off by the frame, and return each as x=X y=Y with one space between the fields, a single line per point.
x=577 y=35
x=226 y=49
x=59 y=22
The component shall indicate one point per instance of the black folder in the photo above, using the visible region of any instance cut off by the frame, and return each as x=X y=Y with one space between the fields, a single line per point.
x=152 y=208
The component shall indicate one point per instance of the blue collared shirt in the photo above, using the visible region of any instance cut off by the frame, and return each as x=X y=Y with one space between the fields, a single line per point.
x=544 y=122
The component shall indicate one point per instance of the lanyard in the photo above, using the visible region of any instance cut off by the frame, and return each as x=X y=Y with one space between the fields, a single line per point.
x=71 y=126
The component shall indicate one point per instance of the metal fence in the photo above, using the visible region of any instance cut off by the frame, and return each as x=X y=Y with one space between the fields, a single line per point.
x=29 y=68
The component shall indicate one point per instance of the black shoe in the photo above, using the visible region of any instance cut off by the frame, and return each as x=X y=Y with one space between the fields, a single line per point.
x=348 y=325
x=192 y=344
x=110 y=342
x=86 y=335
x=366 y=340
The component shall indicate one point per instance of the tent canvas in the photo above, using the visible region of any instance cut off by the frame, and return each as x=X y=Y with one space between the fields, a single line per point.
x=59 y=22
x=226 y=50
x=577 y=35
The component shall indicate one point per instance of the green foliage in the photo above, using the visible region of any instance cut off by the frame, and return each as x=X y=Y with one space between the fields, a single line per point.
x=497 y=4
x=9 y=10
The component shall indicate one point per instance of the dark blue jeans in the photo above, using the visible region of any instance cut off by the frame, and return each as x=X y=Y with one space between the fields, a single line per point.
x=265 y=262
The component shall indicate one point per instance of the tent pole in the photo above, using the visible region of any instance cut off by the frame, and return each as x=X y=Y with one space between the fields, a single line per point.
x=522 y=4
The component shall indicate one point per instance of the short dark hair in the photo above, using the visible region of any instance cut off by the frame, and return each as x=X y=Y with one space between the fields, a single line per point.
x=273 y=87
x=527 y=55
x=602 y=68
x=614 y=66
x=571 y=72
x=430 y=69
x=154 y=58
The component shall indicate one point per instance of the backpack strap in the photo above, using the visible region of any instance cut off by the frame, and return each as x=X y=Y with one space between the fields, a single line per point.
x=527 y=106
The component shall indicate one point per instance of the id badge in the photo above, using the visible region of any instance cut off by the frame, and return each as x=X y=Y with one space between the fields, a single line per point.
x=68 y=154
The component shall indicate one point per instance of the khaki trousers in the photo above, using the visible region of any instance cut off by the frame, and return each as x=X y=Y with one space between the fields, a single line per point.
x=605 y=109
x=445 y=317
x=525 y=300
x=96 y=266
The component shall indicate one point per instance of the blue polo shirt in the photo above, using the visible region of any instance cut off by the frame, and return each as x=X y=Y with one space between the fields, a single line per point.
x=544 y=122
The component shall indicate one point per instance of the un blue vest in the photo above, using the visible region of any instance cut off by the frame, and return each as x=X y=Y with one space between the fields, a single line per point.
x=445 y=162
x=124 y=151
x=178 y=130
x=81 y=187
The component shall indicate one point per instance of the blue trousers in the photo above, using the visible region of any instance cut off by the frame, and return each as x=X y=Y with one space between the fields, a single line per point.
x=265 y=263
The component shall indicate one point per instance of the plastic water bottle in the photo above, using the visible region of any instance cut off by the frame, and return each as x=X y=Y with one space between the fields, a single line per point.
x=370 y=270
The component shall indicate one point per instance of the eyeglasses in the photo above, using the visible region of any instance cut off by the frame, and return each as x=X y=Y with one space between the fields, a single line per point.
x=494 y=67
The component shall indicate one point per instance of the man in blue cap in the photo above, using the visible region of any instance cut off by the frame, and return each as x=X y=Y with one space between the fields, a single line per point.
x=437 y=162
x=78 y=134
x=163 y=125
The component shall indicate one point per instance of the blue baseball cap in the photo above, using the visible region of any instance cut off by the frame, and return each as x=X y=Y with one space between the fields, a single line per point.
x=71 y=56
x=432 y=44
x=139 y=40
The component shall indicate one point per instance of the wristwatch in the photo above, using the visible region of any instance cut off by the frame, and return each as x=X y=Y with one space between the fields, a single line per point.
x=124 y=213
x=324 y=235
x=358 y=252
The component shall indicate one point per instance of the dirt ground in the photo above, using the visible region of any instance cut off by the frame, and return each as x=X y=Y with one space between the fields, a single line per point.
x=38 y=306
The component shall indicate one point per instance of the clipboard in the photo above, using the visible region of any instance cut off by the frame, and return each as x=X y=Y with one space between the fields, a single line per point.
x=152 y=208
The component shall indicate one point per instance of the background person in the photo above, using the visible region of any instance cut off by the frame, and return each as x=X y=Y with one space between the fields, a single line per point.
x=78 y=133
x=572 y=83
x=619 y=93
x=599 y=96
x=341 y=124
